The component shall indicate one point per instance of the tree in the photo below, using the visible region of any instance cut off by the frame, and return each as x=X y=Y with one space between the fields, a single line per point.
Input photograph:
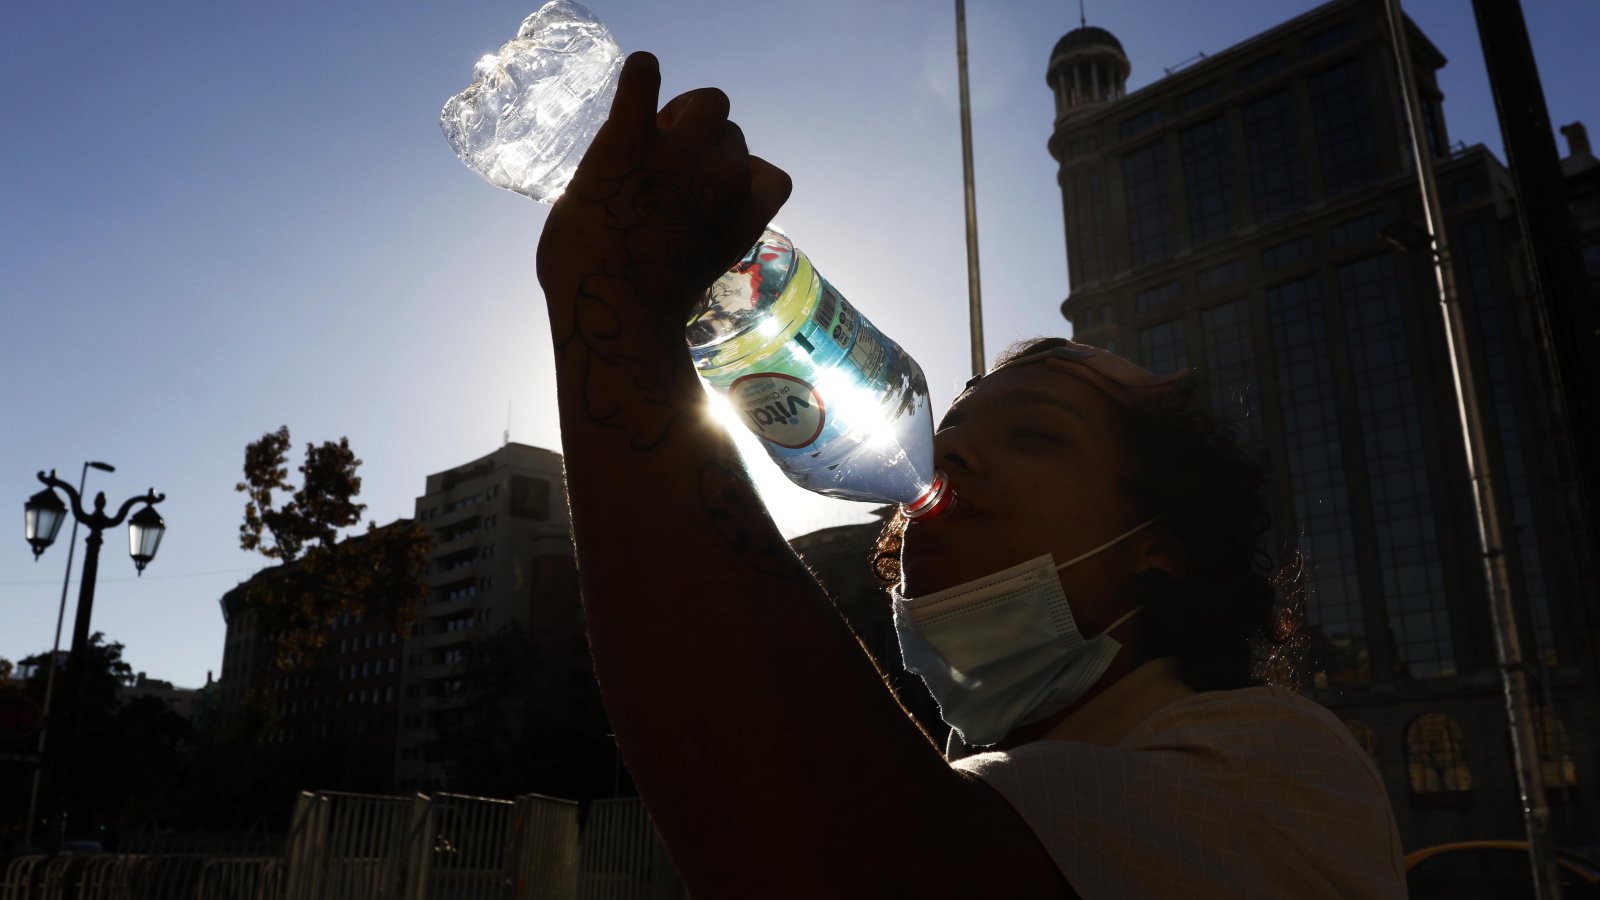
x=124 y=760
x=321 y=577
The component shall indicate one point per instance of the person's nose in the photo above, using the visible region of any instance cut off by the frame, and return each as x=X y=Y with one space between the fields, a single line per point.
x=955 y=451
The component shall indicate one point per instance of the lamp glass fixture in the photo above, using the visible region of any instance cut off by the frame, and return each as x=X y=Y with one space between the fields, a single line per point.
x=42 y=517
x=144 y=536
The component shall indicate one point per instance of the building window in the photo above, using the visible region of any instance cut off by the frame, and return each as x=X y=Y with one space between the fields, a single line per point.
x=1342 y=120
x=1591 y=260
x=1261 y=69
x=1364 y=735
x=1326 y=40
x=1474 y=260
x=1097 y=220
x=1200 y=96
x=1358 y=229
x=1402 y=504
x=1208 y=179
x=1287 y=253
x=1156 y=297
x=1078 y=236
x=458 y=622
x=1219 y=276
x=1436 y=761
x=1277 y=182
x=1139 y=124
x=1556 y=761
x=1149 y=201
x=1317 y=489
x=1231 y=369
x=1161 y=347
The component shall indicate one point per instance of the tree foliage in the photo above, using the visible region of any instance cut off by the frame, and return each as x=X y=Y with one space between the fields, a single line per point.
x=377 y=573
x=124 y=761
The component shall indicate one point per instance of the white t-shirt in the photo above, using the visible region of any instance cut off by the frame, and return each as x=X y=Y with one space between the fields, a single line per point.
x=1151 y=790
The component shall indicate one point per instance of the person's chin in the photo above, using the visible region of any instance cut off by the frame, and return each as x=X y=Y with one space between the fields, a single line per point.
x=928 y=572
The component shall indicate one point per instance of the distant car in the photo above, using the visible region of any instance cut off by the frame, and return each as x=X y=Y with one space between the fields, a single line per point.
x=1492 y=870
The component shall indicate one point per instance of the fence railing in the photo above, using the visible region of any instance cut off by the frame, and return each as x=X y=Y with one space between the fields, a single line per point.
x=365 y=847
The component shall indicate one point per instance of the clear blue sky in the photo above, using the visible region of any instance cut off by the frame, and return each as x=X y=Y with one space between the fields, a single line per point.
x=219 y=218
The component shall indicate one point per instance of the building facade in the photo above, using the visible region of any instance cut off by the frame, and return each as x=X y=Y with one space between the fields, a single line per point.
x=1256 y=216
x=334 y=719
x=502 y=558
x=386 y=709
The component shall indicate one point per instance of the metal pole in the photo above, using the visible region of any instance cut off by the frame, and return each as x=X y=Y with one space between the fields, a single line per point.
x=974 y=294
x=1508 y=645
x=50 y=680
x=77 y=660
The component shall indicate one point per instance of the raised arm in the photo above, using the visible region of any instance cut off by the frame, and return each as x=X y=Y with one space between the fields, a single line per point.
x=762 y=737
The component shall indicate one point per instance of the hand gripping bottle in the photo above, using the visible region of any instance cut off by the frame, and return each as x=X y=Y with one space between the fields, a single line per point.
x=838 y=406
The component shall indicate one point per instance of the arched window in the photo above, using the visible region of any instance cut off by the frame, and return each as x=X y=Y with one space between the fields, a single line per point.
x=1436 y=758
x=1556 y=762
x=1364 y=735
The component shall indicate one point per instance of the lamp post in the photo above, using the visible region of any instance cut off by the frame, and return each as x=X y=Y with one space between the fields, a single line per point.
x=55 y=651
x=44 y=514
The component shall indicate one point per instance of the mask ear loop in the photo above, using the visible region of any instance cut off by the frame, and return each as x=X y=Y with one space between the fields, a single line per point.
x=1111 y=543
x=1125 y=617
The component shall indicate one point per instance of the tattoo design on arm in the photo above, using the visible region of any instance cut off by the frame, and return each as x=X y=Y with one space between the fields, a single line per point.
x=662 y=261
x=736 y=513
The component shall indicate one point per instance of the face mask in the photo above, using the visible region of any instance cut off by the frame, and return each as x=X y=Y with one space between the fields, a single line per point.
x=1002 y=651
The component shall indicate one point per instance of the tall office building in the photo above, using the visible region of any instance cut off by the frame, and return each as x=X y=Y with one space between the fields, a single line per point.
x=503 y=557
x=1255 y=215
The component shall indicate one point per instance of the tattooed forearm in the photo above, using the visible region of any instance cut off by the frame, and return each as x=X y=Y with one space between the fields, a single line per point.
x=625 y=343
x=620 y=386
x=736 y=513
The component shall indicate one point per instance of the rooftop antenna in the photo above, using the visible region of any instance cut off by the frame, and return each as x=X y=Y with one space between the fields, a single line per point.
x=1083 y=21
x=505 y=437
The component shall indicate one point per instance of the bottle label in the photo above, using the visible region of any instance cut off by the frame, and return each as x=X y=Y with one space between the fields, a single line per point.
x=780 y=409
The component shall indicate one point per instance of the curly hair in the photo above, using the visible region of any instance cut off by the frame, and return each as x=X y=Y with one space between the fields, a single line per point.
x=1233 y=620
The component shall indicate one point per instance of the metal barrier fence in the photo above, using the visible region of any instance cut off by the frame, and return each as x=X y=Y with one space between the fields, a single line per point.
x=362 y=847
x=351 y=846
x=546 y=836
x=623 y=857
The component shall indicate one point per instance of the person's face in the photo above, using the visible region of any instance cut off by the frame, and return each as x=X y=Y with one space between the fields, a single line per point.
x=1037 y=461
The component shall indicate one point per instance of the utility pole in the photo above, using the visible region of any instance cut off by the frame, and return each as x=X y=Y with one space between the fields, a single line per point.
x=1491 y=542
x=974 y=294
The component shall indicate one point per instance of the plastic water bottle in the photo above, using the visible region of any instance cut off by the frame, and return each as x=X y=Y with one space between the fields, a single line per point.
x=534 y=106
x=838 y=406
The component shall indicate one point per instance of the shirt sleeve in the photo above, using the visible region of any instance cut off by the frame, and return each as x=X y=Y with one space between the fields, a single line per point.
x=1238 y=794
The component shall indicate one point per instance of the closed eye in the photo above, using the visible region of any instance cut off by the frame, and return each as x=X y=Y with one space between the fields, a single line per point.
x=1035 y=436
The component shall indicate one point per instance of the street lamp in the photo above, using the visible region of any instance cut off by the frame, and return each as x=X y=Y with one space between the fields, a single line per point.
x=46 y=498
x=144 y=536
x=43 y=514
